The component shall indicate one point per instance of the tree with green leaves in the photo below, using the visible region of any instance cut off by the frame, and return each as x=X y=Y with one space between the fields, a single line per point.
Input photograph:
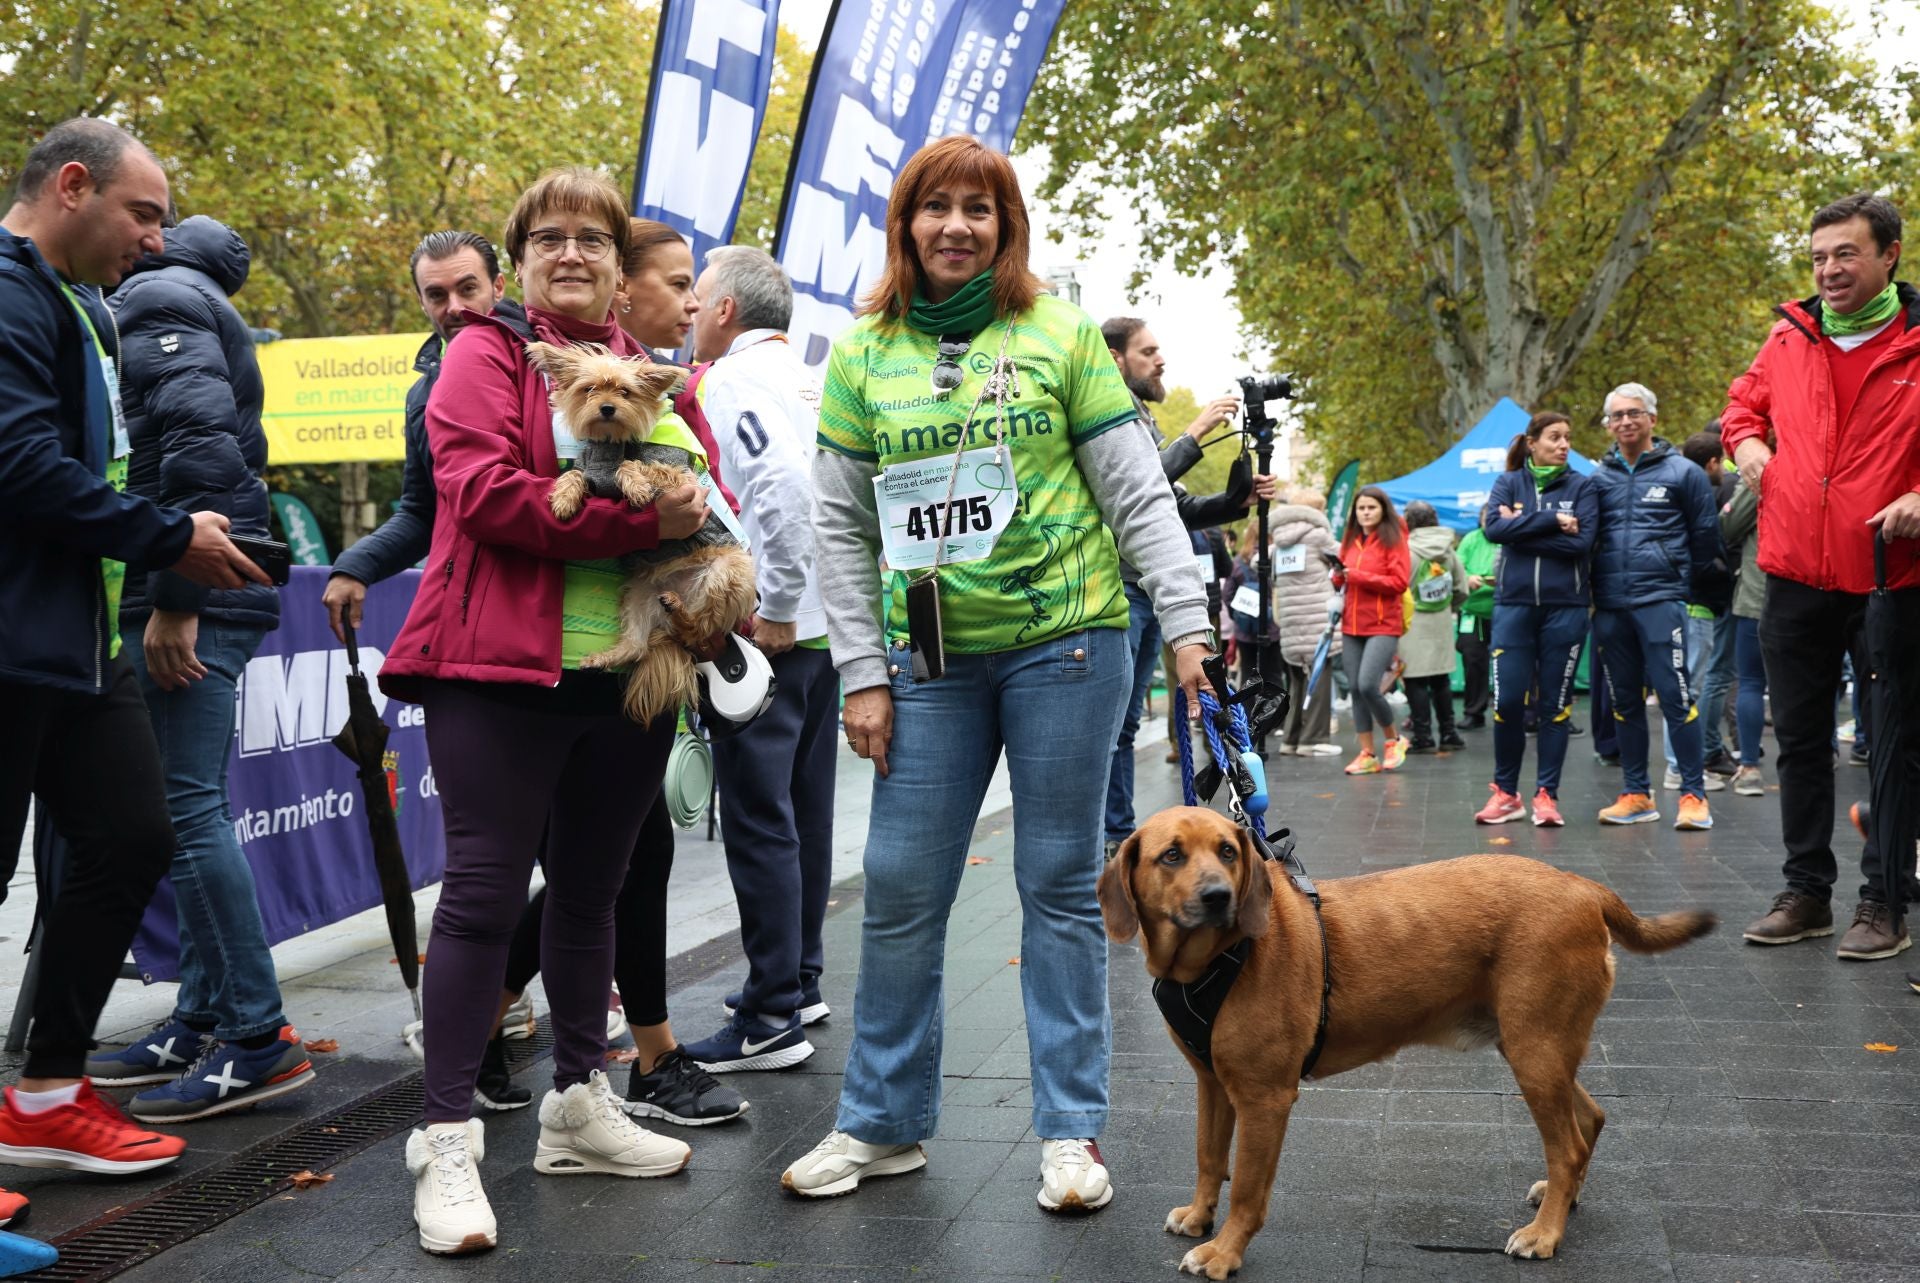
x=1428 y=205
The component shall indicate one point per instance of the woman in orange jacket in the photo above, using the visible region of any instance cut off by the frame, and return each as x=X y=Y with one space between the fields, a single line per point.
x=1378 y=571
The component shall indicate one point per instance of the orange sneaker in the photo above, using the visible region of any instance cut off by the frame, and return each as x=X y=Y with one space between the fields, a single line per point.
x=1396 y=754
x=13 y=1207
x=1546 y=811
x=1365 y=764
x=1631 y=808
x=90 y=1135
x=1693 y=813
x=1500 y=808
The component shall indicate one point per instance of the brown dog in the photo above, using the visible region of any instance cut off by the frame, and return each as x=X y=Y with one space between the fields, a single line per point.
x=1462 y=953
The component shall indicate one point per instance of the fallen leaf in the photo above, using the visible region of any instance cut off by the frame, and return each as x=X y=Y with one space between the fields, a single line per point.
x=1884 y=1048
x=1013 y=962
x=979 y=859
x=307 y=1180
x=323 y=1045
x=331 y=1131
x=1501 y=841
x=396 y=961
x=1396 y=804
x=622 y=1055
x=1325 y=796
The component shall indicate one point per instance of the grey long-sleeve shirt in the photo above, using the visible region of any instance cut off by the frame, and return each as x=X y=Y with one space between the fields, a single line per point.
x=1122 y=469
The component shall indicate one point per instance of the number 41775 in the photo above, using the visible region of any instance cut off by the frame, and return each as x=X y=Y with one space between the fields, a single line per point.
x=964 y=516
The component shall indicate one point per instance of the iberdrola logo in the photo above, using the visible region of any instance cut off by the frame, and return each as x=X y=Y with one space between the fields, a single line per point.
x=390 y=763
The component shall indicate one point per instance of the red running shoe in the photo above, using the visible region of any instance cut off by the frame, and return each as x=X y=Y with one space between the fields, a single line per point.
x=1546 y=811
x=1500 y=808
x=13 y=1207
x=90 y=1135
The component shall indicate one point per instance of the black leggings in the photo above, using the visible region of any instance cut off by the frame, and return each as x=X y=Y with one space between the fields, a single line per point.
x=639 y=927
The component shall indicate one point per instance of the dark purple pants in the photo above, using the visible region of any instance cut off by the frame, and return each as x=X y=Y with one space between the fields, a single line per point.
x=508 y=766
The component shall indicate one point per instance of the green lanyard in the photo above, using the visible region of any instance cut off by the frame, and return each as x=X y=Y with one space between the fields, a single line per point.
x=113 y=574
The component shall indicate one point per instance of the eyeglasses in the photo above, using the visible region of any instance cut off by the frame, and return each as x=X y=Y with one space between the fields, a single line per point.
x=947 y=374
x=1624 y=416
x=550 y=244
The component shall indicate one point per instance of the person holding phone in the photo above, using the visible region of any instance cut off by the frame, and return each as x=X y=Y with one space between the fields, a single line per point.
x=192 y=392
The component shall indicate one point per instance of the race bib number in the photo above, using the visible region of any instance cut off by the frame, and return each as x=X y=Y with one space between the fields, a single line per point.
x=1246 y=600
x=122 y=443
x=1437 y=589
x=1290 y=560
x=916 y=517
x=717 y=505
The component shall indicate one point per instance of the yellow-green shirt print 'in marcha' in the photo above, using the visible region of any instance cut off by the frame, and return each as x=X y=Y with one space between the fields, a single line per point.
x=1055 y=570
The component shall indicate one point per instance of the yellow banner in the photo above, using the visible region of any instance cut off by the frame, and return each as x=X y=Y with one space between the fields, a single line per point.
x=337 y=400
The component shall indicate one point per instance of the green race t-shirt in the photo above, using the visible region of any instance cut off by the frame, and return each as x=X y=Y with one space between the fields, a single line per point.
x=1055 y=569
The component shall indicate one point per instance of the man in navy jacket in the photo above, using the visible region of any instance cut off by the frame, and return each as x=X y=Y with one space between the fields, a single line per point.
x=192 y=393
x=90 y=202
x=1657 y=525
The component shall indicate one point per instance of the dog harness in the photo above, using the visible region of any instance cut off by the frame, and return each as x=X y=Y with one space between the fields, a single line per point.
x=1190 y=1009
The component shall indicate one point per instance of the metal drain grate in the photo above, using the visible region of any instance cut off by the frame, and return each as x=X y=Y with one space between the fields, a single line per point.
x=123 y=1238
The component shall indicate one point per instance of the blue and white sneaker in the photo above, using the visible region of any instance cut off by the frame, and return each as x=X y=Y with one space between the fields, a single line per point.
x=744 y=1043
x=226 y=1077
x=160 y=1057
x=812 y=1008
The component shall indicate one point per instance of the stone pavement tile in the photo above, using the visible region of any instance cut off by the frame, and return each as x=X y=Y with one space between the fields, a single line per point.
x=1825 y=1190
x=1446 y=1141
x=1400 y=1263
x=1449 y=1176
x=1611 y=1228
x=1719 y=1185
x=1871 y=1238
x=1737 y=1269
x=1031 y=1245
x=1739 y=1231
x=1443 y=1107
x=1851 y=1151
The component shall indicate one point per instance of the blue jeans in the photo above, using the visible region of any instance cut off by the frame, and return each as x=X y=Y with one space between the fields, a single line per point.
x=1714 y=684
x=1143 y=643
x=1641 y=648
x=226 y=969
x=1534 y=644
x=1703 y=642
x=1750 y=707
x=1055 y=707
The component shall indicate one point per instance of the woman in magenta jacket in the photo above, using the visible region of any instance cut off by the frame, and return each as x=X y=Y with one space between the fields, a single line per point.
x=525 y=740
x=1378 y=570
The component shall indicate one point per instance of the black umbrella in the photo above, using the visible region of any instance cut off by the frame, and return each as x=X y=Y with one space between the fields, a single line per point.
x=1895 y=737
x=364 y=740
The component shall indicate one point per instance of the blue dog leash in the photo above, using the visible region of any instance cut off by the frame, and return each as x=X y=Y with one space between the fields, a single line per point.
x=1246 y=772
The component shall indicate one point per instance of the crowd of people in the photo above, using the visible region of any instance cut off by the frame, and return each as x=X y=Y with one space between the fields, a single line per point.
x=131 y=452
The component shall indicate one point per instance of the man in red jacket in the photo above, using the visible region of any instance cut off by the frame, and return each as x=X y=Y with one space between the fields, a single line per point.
x=1825 y=427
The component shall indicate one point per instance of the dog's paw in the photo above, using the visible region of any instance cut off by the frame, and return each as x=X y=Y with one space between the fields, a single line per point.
x=1192 y=1222
x=1533 y=1242
x=1537 y=1193
x=1210 y=1260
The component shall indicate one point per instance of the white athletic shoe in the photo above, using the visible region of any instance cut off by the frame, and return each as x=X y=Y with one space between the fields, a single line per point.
x=1073 y=1178
x=448 y=1204
x=1670 y=781
x=839 y=1163
x=616 y=1017
x=584 y=1129
x=517 y=1021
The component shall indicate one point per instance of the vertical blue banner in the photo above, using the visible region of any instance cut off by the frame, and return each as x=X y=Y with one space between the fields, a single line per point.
x=890 y=77
x=712 y=65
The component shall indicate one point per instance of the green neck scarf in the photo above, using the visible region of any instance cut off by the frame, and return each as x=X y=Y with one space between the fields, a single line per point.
x=1874 y=314
x=969 y=311
x=1544 y=477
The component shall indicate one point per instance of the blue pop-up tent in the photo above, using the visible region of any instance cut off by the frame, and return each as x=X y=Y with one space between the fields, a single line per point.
x=1459 y=481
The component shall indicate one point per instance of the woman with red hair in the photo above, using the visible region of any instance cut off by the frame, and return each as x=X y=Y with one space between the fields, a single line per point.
x=976 y=434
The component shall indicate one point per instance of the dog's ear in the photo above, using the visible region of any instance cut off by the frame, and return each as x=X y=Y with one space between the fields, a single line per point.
x=1256 y=888
x=1116 y=891
x=557 y=363
x=663 y=381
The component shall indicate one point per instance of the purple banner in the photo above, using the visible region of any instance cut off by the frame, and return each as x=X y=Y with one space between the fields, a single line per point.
x=296 y=800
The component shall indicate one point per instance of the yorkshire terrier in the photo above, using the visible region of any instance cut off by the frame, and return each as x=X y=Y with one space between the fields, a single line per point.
x=684 y=595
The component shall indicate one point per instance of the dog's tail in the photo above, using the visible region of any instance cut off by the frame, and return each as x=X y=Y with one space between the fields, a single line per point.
x=1652 y=935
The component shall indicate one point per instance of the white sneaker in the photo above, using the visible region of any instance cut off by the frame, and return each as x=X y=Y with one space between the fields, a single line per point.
x=414 y=1034
x=1073 y=1178
x=1670 y=781
x=1319 y=750
x=616 y=1017
x=583 y=1129
x=517 y=1021
x=1748 y=782
x=1714 y=783
x=838 y=1164
x=448 y=1204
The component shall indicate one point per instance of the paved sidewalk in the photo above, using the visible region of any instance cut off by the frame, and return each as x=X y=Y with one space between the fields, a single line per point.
x=1752 y=1135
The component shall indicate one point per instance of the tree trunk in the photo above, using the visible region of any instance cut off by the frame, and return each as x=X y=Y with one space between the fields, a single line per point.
x=357 y=515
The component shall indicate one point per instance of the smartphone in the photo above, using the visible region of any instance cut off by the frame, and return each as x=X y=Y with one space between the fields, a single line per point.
x=270 y=555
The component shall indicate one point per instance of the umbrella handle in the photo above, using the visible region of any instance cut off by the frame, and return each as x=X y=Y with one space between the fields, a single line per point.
x=353 y=644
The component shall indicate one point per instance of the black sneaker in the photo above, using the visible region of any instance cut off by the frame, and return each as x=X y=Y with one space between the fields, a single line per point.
x=1723 y=764
x=1452 y=740
x=1913 y=981
x=1607 y=759
x=1858 y=755
x=680 y=1091
x=1473 y=723
x=494 y=1090
x=1421 y=744
x=1575 y=730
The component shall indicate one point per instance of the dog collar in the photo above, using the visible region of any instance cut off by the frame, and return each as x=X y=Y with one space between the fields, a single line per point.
x=1190 y=1009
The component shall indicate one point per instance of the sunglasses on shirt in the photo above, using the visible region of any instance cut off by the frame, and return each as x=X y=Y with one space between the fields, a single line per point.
x=947 y=374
